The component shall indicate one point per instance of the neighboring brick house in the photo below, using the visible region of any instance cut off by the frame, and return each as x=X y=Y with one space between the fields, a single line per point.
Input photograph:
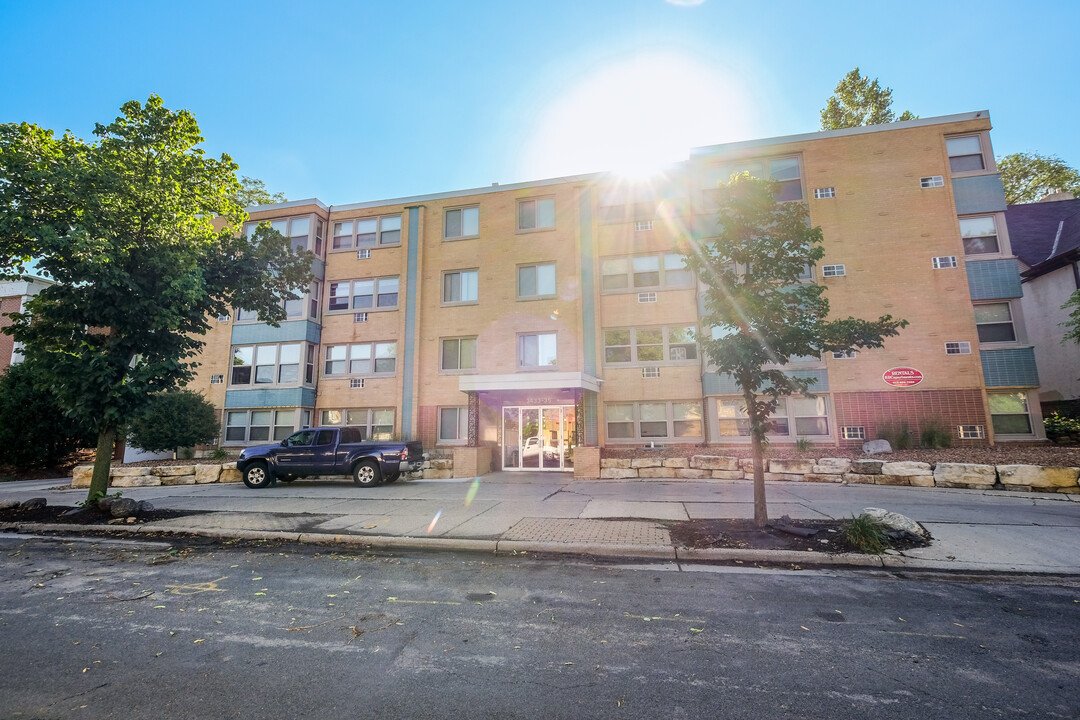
x=1046 y=237
x=13 y=297
x=523 y=320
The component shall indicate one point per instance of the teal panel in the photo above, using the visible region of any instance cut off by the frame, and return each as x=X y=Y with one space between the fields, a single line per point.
x=277 y=397
x=291 y=331
x=1014 y=367
x=725 y=384
x=978 y=194
x=994 y=279
x=409 y=349
x=588 y=290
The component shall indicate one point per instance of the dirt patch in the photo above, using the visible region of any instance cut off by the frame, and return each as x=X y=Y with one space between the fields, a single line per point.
x=64 y=515
x=743 y=534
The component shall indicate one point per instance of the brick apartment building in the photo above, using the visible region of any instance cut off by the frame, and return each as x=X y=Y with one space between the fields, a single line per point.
x=13 y=297
x=514 y=323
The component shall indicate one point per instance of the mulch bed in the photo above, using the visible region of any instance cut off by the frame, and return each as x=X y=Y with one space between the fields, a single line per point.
x=743 y=534
x=55 y=514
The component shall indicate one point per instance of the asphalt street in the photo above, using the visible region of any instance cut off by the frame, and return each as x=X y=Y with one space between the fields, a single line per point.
x=195 y=629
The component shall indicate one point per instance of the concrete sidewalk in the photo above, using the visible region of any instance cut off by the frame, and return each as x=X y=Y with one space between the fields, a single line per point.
x=547 y=512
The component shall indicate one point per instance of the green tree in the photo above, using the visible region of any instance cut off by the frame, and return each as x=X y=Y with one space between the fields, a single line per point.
x=1072 y=325
x=1028 y=177
x=253 y=192
x=761 y=313
x=141 y=231
x=34 y=431
x=172 y=420
x=859 y=101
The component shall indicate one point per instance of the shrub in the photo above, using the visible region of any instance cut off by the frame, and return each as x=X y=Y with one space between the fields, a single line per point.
x=866 y=534
x=1057 y=424
x=935 y=435
x=34 y=431
x=171 y=420
x=219 y=454
x=803 y=444
x=899 y=436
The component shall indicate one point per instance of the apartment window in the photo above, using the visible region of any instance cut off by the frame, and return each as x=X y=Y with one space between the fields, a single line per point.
x=309 y=364
x=654 y=420
x=217 y=379
x=460 y=286
x=367 y=232
x=641 y=271
x=994 y=323
x=294 y=308
x=266 y=364
x=373 y=423
x=360 y=359
x=957 y=348
x=656 y=344
x=461 y=223
x=794 y=417
x=965 y=154
x=297 y=230
x=243 y=426
x=933 y=181
x=362 y=294
x=537 y=350
x=971 y=432
x=824 y=193
x=537 y=214
x=1009 y=413
x=979 y=235
x=833 y=271
x=535 y=281
x=785 y=170
x=853 y=432
x=944 y=262
x=457 y=354
x=453 y=424
x=314 y=290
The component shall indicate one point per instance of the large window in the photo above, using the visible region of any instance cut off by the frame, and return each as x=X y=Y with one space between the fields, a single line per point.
x=645 y=421
x=1009 y=413
x=994 y=322
x=537 y=350
x=794 y=417
x=657 y=344
x=298 y=230
x=644 y=271
x=536 y=281
x=249 y=426
x=458 y=354
x=454 y=425
x=373 y=423
x=461 y=223
x=536 y=214
x=980 y=235
x=965 y=154
x=460 y=286
x=784 y=170
x=360 y=359
x=367 y=232
x=293 y=309
x=372 y=293
x=267 y=364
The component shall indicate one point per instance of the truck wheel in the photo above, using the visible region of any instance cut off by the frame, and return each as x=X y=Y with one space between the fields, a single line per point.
x=257 y=476
x=366 y=473
x=391 y=477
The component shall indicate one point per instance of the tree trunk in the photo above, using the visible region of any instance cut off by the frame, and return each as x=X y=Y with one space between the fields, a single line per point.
x=761 y=511
x=99 y=482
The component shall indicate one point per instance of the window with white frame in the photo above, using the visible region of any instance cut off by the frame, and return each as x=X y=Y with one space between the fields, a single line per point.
x=853 y=432
x=217 y=379
x=379 y=358
x=373 y=423
x=674 y=343
x=971 y=432
x=367 y=232
x=461 y=223
x=943 y=262
x=643 y=225
x=460 y=287
x=269 y=364
x=994 y=322
x=932 y=181
x=454 y=424
x=537 y=350
x=259 y=425
x=785 y=170
x=536 y=281
x=644 y=421
x=294 y=308
x=1009 y=413
x=367 y=294
x=457 y=354
x=297 y=230
x=824 y=193
x=794 y=417
x=536 y=214
x=644 y=271
x=958 y=348
x=314 y=292
x=979 y=235
x=833 y=271
x=965 y=154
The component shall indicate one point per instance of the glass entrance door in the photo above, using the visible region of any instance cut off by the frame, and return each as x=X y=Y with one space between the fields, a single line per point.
x=538 y=438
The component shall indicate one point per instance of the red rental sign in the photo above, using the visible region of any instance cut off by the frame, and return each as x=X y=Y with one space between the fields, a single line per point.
x=902 y=377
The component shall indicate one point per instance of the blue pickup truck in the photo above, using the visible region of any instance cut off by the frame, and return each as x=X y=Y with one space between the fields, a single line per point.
x=329 y=451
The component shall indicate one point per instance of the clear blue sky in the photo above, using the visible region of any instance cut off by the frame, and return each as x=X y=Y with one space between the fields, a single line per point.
x=357 y=101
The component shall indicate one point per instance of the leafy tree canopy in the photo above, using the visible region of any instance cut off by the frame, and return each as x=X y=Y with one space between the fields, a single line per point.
x=141 y=231
x=1029 y=177
x=34 y=431
x=859 y=101
x=1072 y=325
x=763 y=315
x=171 y=420
x=253 y=192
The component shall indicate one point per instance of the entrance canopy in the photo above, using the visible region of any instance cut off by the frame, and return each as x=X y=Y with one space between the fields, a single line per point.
x=528 y=381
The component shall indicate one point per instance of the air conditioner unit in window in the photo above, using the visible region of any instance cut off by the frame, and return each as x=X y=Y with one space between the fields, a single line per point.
x=360 y=317
x=646 y=297
x=356 y=382
x=363 y=254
